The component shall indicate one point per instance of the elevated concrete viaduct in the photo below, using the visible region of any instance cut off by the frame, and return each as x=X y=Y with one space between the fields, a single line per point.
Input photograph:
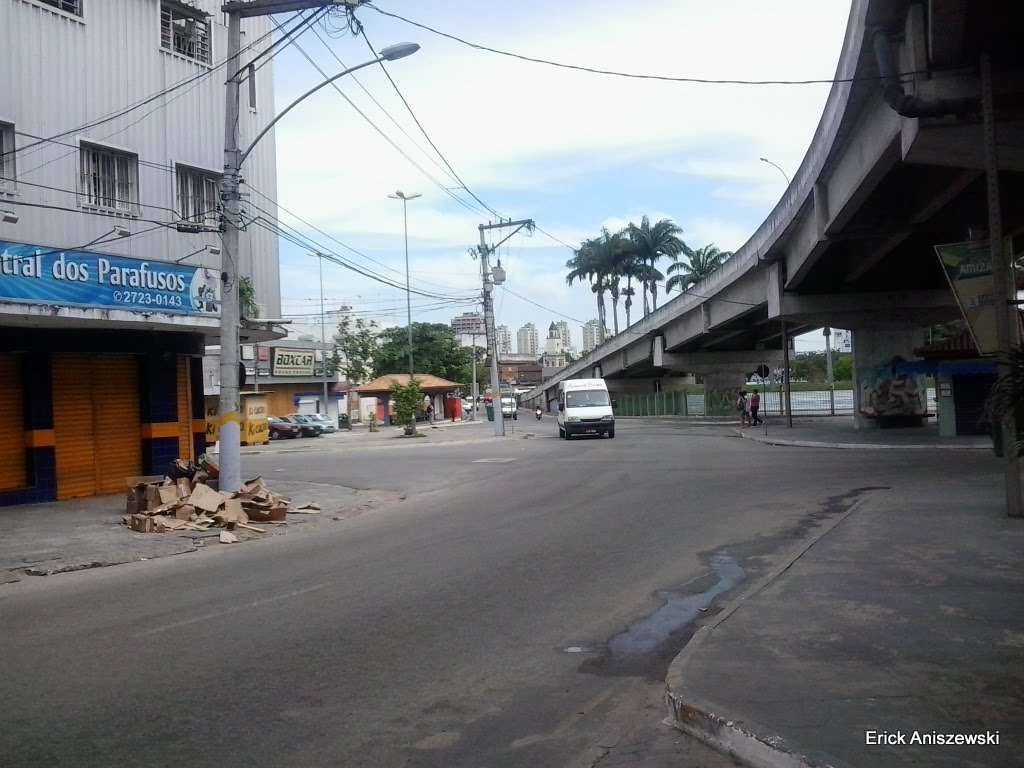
x=896 y=166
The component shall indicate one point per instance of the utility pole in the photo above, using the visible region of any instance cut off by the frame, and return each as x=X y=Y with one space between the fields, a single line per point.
x=230 y=420
x=323 y=332
x=231 y=217
x=473 y=390
x=787 y=400
x=829 y=377
x=491 y=279
x=1004 y=290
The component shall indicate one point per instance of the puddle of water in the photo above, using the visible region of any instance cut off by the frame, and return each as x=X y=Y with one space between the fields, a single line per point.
x=646 y=635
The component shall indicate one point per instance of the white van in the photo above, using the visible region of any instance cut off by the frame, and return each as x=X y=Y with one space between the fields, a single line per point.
x=584 y=408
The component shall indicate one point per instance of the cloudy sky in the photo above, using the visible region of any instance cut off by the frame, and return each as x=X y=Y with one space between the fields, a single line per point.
x=572 y=150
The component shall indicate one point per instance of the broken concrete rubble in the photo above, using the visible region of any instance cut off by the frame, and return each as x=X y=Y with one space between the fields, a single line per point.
x=187 y=499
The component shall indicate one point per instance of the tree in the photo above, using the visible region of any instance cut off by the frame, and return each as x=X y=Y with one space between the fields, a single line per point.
x=628 y=292
x=842 y=367
x=695 y=266
x=357 y=345
x=650 y=243
x=435 y=348
x=584 y=265
x=408 y=400
x=598 y=260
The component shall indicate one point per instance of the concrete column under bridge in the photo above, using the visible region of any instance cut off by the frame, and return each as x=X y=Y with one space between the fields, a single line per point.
x=724 y=373
x=881 y=397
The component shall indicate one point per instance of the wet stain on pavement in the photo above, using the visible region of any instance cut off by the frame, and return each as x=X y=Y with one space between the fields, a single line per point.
x=649 y=644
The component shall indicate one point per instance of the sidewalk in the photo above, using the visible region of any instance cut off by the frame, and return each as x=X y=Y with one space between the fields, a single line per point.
x=841 y=432
x=43 y=539
x=360 y=435
x=901 y=614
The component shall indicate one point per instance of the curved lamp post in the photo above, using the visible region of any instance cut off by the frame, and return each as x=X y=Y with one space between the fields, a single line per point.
x=766 y=160
x=234 y=156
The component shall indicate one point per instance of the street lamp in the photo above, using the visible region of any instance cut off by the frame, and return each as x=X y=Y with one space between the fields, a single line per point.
x=323 y=330
x=400 y=195
x=766 y=160
x=234 y=156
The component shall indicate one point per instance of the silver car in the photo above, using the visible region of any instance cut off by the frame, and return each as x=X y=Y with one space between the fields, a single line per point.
x=328 y=426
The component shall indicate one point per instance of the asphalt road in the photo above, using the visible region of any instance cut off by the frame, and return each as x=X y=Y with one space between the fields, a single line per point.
x=520 y=608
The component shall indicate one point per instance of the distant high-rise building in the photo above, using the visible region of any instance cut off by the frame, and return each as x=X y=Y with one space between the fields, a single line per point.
x=504 y=339
x=468 y=323
x=564 y=335
x=842 y=341
x=592 y=335
x=528 y=340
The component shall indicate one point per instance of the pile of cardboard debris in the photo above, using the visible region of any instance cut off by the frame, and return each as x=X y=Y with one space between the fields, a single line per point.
x=187 y=499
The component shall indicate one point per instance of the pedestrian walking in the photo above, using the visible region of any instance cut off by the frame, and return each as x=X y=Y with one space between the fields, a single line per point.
x=755 y=406
x=742 y=407
x=430 y=414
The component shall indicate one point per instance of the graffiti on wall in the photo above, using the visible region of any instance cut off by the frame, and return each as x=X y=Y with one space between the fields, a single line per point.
x=721 y=402
x=883 y=392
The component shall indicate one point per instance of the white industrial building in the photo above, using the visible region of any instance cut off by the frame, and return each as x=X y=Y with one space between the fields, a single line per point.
x=111 y=151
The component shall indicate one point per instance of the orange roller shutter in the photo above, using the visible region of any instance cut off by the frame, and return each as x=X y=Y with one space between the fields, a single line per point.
x=118 y=424
x=12 y=449
x=184 y=412
x=73 y=426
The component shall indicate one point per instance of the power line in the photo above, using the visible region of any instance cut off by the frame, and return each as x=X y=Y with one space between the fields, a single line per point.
x=78 y=193
x=634 y=75
x=423 y=130
x=372 y=98
x=331 y=237
x=153 y=97
x=196 y=82
x=387 y=138
x=297 y=239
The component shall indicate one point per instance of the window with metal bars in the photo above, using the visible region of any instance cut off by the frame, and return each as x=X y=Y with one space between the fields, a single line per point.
x=184 y=33
x=7 y=168
x=68 y=6
x=109 y=179
x=198 y=197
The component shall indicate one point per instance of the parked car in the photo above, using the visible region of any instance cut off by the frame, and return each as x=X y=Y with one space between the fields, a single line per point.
x=279 y=428
x=307 y=427
x=325 y=423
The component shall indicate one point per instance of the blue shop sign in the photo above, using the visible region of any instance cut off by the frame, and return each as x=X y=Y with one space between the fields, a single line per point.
x=36 y=274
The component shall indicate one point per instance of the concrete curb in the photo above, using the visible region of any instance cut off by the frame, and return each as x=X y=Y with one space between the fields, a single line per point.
x=378 y=444
x=744 y=739
x=769 y=440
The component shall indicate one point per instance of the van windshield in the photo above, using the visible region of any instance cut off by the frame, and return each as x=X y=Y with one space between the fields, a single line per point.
x=586 y=398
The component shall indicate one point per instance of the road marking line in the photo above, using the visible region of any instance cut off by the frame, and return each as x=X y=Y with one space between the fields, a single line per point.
x=229 y=611
x=491 y=461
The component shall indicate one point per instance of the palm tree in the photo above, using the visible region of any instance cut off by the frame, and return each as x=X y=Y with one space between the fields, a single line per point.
x=651 y=243
x=697 y=265
x=649 y=277
x=614 y=291
x=608 y=251
x=582 y=266
x=629 y=292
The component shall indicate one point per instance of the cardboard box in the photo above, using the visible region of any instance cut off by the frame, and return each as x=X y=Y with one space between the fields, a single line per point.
x=185 y=512
x=168 y=494
x=136 y=498
x=184 y=487
x=142 y=523
x=205 y=498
